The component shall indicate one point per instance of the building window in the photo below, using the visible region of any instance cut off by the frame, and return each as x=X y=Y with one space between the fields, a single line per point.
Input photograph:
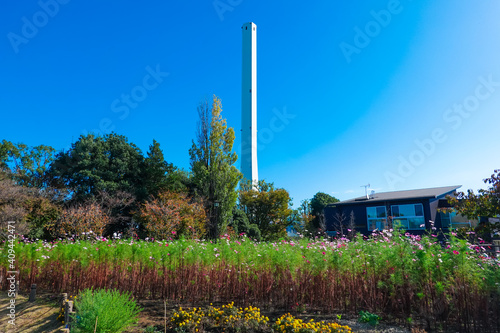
x=450 y=220
x=409 y=217
x=376 y=218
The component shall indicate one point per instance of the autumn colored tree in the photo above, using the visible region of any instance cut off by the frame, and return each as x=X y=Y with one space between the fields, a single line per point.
x=12 y=208
x=212 y=165
x=172 y=215
x=267 y=207
x=81 y=219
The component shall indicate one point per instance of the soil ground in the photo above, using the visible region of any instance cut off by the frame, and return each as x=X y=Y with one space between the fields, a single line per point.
x=41 y=316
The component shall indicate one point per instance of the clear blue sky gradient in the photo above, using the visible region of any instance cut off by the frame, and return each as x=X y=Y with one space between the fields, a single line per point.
x=337 y=108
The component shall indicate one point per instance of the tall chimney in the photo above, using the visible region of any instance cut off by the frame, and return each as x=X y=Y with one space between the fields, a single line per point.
x=248 y=156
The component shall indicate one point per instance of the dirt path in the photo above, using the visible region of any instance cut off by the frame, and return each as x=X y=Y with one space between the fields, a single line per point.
x=37 y=317
x=41 y=316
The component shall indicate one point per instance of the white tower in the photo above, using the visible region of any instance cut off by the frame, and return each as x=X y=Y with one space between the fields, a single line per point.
x=249 y=103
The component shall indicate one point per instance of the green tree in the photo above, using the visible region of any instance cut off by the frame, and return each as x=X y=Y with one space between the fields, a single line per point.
x=28 y=165
x=180 y=180
x=486 y=203
x=240 y=224
x=93 y=164
x=318 y=203
x=267 y=207
x=156 y=171
x=212 y=165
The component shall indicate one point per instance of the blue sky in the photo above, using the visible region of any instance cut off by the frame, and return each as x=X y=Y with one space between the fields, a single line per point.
x=398 y=94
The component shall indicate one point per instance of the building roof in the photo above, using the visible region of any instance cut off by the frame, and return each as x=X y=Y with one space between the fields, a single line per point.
x=431 y=193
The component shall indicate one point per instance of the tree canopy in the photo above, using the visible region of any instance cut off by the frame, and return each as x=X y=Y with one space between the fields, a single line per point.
x=486 y=203
x=27 y=165
x=99 y=163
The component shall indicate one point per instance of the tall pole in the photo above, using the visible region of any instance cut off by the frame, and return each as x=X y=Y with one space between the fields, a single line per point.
x=248 y=156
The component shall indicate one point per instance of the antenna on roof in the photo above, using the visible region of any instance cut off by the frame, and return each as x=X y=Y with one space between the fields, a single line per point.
x=366 y=190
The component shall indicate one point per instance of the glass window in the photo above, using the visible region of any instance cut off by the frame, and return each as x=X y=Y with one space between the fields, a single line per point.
x=410 y=217
x=454 y=221
x=376 y=217
x=419 y=210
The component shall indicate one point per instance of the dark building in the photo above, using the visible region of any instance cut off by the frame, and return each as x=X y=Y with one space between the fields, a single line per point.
x=412 y=209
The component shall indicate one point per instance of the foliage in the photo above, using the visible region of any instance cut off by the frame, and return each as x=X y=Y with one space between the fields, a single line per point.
x=212 y=164
x=240 y=222
x=318 y=203
x=484 y=204
x=32 y=211
x=113 y=312
x=289 y=324
x=12 y=208
x=267 y=207
x=370 y=318
x=241 y=225
x=156 y=171
x=41 y=217
x=28 y=165
x=99 y=163
x=172 y=215
x=80 y=219
x=180 y=181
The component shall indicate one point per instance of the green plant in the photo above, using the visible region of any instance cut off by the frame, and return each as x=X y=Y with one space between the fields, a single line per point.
x=151 y=329
x=112 y=311
x=367 y=317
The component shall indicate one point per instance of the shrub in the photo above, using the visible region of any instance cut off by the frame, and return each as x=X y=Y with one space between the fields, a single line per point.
x=82 y=218
x=115 y=312
x=367 y=317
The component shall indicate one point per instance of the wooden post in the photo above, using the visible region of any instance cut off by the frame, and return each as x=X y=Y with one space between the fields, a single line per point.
x=64 y=298
x=17 y=288
x=32 y=293
x=67 y=311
